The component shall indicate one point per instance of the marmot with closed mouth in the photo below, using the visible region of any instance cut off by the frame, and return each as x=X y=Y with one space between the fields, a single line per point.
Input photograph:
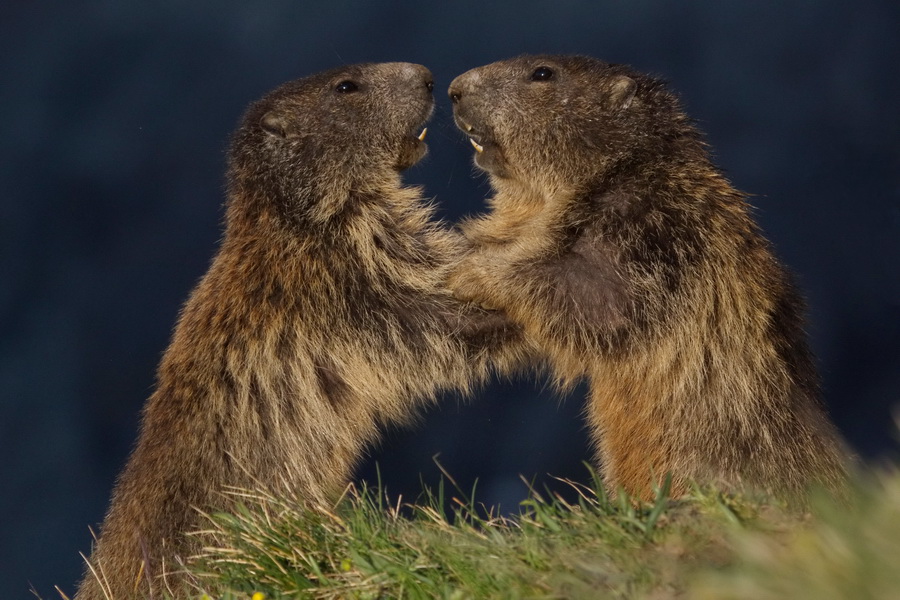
x=628 y=258
x=323 y=317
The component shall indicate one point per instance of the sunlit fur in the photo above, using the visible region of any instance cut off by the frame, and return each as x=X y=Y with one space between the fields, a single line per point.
x=629 y=259
x=322 y=318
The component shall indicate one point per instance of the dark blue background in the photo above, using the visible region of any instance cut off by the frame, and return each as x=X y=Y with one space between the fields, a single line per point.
x=115 y=117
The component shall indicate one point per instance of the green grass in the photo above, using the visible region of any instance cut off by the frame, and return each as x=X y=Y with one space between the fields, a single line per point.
x=709 y=545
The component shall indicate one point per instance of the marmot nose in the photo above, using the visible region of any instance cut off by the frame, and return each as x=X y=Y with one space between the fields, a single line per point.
x=464 y=84
x=413 y=73
x=425 y=76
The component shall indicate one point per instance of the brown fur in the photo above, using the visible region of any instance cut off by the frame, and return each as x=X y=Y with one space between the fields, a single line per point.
x=323 y=317
x=628 y=257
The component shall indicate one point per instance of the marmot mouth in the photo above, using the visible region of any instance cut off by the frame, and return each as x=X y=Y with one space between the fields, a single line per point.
x=412 y=150
x=480 y=142
x=417 y=139
x=488 y=154
x=413 y=147
x=476 y=137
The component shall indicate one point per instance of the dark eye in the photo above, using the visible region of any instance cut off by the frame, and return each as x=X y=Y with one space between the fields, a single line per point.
x=542 y=74
x=346 y=87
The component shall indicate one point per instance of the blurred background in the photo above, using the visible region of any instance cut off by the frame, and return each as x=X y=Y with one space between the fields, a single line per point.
x=115 y=118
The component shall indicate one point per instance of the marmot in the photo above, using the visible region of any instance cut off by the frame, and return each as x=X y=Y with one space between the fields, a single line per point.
x=630 y=259
x=323 y=317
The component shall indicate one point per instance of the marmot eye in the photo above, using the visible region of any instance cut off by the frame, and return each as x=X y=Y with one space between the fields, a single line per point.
x=542 y=74
x=346 y=87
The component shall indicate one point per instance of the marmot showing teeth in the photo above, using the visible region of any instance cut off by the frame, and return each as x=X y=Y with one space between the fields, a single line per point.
x=322 y=318
x=628 y=258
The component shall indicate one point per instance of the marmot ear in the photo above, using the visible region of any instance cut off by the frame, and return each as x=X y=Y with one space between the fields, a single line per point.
x=621 y=92
x=274 y=124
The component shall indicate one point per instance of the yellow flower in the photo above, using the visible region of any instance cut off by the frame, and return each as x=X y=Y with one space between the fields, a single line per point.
x=259 y=596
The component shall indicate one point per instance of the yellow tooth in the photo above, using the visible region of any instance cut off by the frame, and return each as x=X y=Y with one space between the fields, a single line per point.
x=422 y=135
x=469 y=127
x=478 y=147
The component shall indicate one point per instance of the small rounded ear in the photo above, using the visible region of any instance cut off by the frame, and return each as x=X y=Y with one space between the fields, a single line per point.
x=621 y=92
x=274 y=124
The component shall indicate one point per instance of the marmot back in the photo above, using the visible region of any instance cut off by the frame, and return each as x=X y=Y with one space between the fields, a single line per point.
x=629 y=259
x=322 y=318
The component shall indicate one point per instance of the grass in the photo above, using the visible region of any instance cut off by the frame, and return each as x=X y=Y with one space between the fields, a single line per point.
x=844 y=552
x=708 y=545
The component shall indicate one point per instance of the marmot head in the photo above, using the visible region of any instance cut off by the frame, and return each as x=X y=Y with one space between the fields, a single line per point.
x=561 y=122
x=310 y=144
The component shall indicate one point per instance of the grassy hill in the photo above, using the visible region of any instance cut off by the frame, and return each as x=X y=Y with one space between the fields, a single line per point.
x=709 y=546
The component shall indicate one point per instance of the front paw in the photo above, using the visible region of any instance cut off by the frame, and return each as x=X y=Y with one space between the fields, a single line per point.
x=470 y=282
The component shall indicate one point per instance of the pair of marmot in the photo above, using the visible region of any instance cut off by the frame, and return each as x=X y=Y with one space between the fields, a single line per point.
x=615 y=250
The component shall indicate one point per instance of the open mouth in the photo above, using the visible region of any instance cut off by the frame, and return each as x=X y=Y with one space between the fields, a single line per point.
x=412 y=150
x=477 y=140
x=418 y=128
x=412 y=146
x=417 y=140
x=488 y=155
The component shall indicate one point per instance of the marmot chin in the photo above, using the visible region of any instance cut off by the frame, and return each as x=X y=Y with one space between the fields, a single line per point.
x=323 y=317
x=628 y=258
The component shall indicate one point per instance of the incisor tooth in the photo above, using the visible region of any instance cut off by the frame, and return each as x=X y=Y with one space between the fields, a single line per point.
x=478 y=147
x=422 y=135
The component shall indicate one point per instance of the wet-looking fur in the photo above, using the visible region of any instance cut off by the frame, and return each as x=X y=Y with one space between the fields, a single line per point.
x=629 y=259
x=322 y=318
